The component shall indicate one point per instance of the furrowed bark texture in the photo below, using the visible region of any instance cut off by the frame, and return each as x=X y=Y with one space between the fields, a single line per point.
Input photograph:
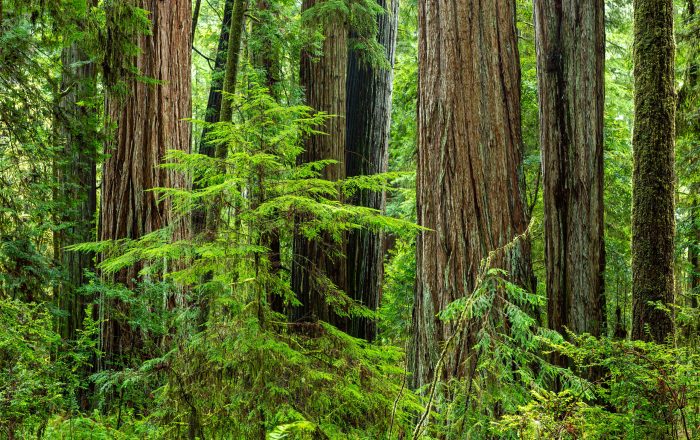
x=469 y=181
x=149 y=119
x=324 y=80
x=653 y=184
x=570 y=60
x=367 y=152
x=77 y=177
x=199 y=215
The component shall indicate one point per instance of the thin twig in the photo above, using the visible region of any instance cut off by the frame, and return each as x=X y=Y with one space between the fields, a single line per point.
x=209 y=60
x=396 y=401
x=461 y=323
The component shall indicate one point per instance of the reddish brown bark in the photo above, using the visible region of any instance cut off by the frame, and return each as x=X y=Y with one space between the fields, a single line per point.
x=149 y=121
x=469 y=181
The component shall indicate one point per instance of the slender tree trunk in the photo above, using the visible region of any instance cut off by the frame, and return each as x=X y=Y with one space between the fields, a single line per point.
x=77 y=179
x=149 y=120
x=213 y=110
x=367 y=152
x=78 y=120
x=234 y=50
x=324 y=80
x=226 y=111
x=266 y=58
x=570 y=65
x=653 y=186
x=689 y=125
x=195 y=18
x=470 y=183
x=199 y=215
x=693 y=257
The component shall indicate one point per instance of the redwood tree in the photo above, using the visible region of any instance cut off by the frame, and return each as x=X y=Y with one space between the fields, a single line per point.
x=653 y=183
x=469 y=181
x=367 y=149
x=570 y=39
x=149 y=121
x=323 y=78
x=76 y=174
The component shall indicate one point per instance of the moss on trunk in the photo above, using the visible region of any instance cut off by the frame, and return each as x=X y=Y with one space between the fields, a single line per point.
x=653 y=190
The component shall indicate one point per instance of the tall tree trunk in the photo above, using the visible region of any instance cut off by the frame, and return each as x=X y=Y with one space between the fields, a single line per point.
x=367 y=152
x=77 y=179
x=234 y=51
x=693 y=257
x=226 y=111
x=149 y=119
x=689 y=125
x=323 y=79
x=195 y=18
x=470 y=180
x=266 y=58
x=199 y=215
x=570 y=62
x=653 y=185
x=217 y=79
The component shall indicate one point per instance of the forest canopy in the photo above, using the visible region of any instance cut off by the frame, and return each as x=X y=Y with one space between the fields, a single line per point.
x=349 y=219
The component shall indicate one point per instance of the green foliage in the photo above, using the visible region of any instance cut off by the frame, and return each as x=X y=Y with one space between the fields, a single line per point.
x=557 y=416
x=24 y=271
x=286 y=379
x=246 y=359
x=39 y=373
x=507 y=353
x=617 y=159
x=645 y=391
x=98 y=427
x=653 y=389
x=687 y=144
x=403 y=142
x=397 y=303
x=209 y=356
x=32 y=36
x=400 y=266
x=263 y=191
x=124 y=24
